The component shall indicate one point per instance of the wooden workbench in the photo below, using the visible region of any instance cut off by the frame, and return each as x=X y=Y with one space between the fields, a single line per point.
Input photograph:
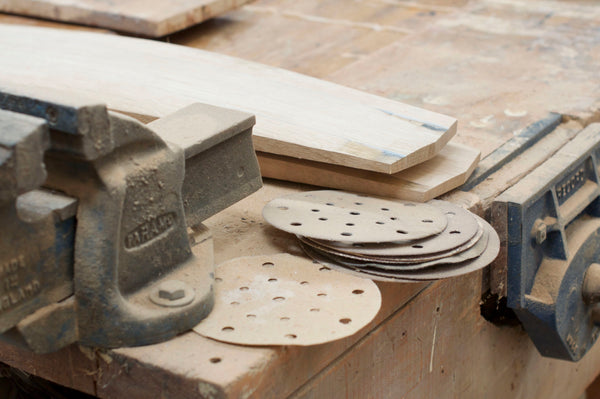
x=496 y=65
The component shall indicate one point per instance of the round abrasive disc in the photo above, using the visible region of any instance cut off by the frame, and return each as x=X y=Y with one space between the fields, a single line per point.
x=461 y=228
x=340 y=216
x=435 y=272
x=322 y=259
x=287 y=300
x=404 y=263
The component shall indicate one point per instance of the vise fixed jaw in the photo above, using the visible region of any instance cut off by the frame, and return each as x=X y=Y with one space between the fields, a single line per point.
x=105 y=258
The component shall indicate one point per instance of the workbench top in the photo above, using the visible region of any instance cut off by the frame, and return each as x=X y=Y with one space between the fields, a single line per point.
x=496 y=65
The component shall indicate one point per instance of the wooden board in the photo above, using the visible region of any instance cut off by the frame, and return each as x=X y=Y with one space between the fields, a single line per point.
x=428 y=341
x=297 y=115
x=435 y=344
x=442 y=173
x=439 y=347
x=140 y=17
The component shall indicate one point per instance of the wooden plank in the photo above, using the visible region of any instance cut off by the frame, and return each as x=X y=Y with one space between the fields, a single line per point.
x=439 y=347
x=442 y=173
x=297 y=115
x=465 y=52
x=19 y=20
x=289 y=34
x=74 y=366
x=457 y=66
x=182 y=367
x=140 y=17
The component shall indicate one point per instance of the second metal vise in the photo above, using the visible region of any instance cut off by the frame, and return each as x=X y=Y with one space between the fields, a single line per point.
x=550 y=221
x=102 y=255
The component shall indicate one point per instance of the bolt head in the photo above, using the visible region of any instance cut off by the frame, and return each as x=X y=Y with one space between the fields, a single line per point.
x=171 y=290
x=541 y=232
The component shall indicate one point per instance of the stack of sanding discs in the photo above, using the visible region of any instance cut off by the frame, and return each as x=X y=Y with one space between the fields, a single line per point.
x=386 y=240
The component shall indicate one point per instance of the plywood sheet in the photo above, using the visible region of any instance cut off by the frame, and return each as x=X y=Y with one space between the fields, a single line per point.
x=442 y=173
x=141 y=17
x=297 y=116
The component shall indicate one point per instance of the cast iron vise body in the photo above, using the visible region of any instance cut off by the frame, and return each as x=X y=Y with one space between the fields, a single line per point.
x=111 y=252
x=552 y=218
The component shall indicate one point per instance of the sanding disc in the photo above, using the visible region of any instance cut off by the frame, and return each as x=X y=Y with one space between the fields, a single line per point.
x=409 y=262
x=287 y=300
x=322 y=259
x=373 y=264
x=461 y=228
x=472 y=249
x=440 y=271
x=340 y=216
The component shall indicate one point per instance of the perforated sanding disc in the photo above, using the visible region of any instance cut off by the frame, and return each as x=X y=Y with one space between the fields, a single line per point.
x=324 y=260
x=470 y=250
x=414 y=261
x=287 y=300
x=440 y=271
x=471 y=253
x=340 y=216
x=462 y=227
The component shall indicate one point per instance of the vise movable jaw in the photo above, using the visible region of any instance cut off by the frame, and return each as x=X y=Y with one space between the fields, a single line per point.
x=105 y=258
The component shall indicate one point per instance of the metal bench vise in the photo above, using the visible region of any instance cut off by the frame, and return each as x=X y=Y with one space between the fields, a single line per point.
x=102 y=254
x=551 y=224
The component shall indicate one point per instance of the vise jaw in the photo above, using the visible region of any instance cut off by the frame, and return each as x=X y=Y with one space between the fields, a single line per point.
x=102 y=255
x=552 y=246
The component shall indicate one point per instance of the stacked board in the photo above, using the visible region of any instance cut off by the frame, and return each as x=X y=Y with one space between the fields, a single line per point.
x=386 y=240
x=302 y=124
x=139 y=17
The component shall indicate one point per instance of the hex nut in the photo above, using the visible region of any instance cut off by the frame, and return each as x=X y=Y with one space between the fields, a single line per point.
x=540 y=231
x=171 y=290
x=172 y=293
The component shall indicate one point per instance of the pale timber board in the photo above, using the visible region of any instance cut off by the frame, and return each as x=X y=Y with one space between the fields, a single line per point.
x=436 y=176
x=142 y=17
x=297 y=115
x=440 y=347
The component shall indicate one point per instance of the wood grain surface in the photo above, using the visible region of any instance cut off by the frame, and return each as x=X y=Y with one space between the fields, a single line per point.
x=496 y=65
x=427 y=180
x=296 y=115
x=139 y=17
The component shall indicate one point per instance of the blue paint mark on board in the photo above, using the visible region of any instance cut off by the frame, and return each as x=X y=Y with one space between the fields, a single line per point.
x=388 y=153
x=424 y=124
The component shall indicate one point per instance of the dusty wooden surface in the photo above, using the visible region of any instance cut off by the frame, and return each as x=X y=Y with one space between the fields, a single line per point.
x=496 y=65
x=296 y=115
x=147 y=18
